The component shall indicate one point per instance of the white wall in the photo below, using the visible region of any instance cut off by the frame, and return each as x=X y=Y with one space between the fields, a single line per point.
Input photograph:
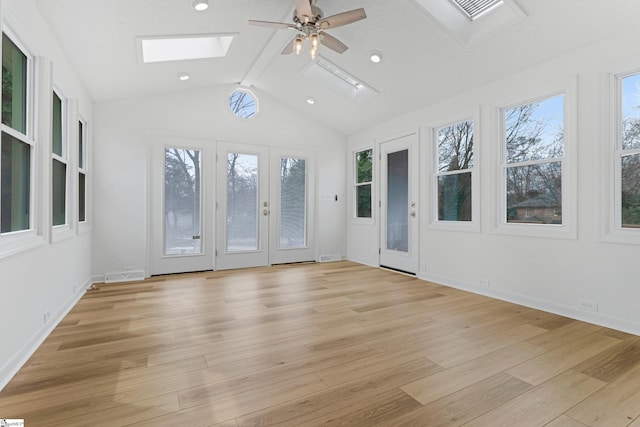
x=43 y=278
x=548 y=273
x=124 y=135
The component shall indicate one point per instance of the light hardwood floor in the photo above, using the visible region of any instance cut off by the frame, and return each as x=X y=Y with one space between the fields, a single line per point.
x=336 y=344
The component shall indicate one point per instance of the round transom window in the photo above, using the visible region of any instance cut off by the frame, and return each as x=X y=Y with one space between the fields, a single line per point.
x=243 y=103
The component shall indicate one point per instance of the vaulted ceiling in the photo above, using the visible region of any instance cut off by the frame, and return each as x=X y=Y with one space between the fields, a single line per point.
x=422 y=60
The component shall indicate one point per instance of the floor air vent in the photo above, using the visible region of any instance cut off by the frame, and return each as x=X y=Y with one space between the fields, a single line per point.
x=124 y=276
x=330 y=258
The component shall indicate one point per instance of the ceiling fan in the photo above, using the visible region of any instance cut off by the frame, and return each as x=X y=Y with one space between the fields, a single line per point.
x=309 y=23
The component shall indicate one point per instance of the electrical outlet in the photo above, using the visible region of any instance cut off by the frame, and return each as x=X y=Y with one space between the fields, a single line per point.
x=587 y=305
x=484 y=283
x=47 y=316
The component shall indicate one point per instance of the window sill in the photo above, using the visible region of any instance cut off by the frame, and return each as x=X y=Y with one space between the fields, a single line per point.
x=362 y=221
x=547 y=231
x=17 y=243
x=622 y=236
x=464 y=226
x=60 y=233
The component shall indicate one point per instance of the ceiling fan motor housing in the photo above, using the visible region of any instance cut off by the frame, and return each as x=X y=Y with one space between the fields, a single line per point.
x=317 y=15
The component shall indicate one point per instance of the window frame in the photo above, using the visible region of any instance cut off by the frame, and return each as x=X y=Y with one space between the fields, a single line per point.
x=434 y=173
x=611 y=229
x=62 y=231
x=355 y=184
x=21 y=240
x=83 y=168
x=568 y=228
x=252 y=95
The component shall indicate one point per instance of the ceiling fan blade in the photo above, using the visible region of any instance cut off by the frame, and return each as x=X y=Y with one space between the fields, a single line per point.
x=288 y=49
x=303 y=8
x=279 y=25
x=341 y=19
x=333 y=43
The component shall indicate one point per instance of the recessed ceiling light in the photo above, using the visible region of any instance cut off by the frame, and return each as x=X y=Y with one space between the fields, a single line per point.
x=200 y=5
x=311 y=101
x=184 y=76
x=375 y=57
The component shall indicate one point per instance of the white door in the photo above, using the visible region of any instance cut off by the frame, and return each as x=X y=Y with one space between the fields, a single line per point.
x=292 y=207
x=243 y=206
x=265 y=209
x=182 y=219
x=399 y=203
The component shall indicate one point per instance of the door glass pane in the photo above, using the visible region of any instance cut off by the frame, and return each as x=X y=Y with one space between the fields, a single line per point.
x=59 y=186
x=398 y=201
x=14 y=86
x=631 y=191
x=15 y=184
x=242 y=202
x=182 y=202
x=293 y=203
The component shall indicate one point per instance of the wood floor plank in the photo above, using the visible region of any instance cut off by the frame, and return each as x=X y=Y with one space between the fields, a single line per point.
x=320 y=344
x=564 y=421
x=617 y=404
x=466 y=404
x=436 y=386
x=542 y=404
x=548 y=365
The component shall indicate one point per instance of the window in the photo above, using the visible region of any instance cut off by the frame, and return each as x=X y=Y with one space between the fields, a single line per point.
x=454 y=171
x=82 y=171
x=628 y=154
x=59 y=165
x=243 y=103
x=17 y=147
x=293 y=203
x=363 y=177
x=533 y=161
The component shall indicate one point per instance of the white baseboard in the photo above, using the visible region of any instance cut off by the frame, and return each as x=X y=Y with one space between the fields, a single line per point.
x=363 y=261
x=549 y=306
x=14 y=364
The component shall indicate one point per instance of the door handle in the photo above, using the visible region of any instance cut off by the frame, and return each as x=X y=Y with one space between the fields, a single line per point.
x=265 y=212
x=413 y=214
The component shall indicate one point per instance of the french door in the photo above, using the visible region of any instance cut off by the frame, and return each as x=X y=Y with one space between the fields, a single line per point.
x=181 y=237
x=399 y=203
x=264 y=208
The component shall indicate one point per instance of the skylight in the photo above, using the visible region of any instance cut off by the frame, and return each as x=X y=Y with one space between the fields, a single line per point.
x=180 y=48
x=475 y=8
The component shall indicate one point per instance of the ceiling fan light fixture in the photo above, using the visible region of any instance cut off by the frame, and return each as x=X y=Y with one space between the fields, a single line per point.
x=298 y=45
x=375 y=57
x=200 y=5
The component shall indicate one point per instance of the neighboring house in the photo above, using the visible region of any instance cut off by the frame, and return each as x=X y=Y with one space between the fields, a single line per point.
x=540 y=209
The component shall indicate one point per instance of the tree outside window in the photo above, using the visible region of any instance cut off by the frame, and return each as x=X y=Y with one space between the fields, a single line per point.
x=363 y=167
x=454 y=169
x=628 y=153
x=534 y=141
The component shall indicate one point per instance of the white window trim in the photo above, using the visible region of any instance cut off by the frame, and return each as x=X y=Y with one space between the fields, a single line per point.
x=354 y=209
x=62 y=231
x=433 y=174
x=19 y=241
x=568 y=228
x=611 y=230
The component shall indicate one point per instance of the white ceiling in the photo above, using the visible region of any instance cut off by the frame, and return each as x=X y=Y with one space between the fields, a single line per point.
x=422 y=62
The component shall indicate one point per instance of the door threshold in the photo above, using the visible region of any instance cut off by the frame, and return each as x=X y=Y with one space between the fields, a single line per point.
x=397 y=270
